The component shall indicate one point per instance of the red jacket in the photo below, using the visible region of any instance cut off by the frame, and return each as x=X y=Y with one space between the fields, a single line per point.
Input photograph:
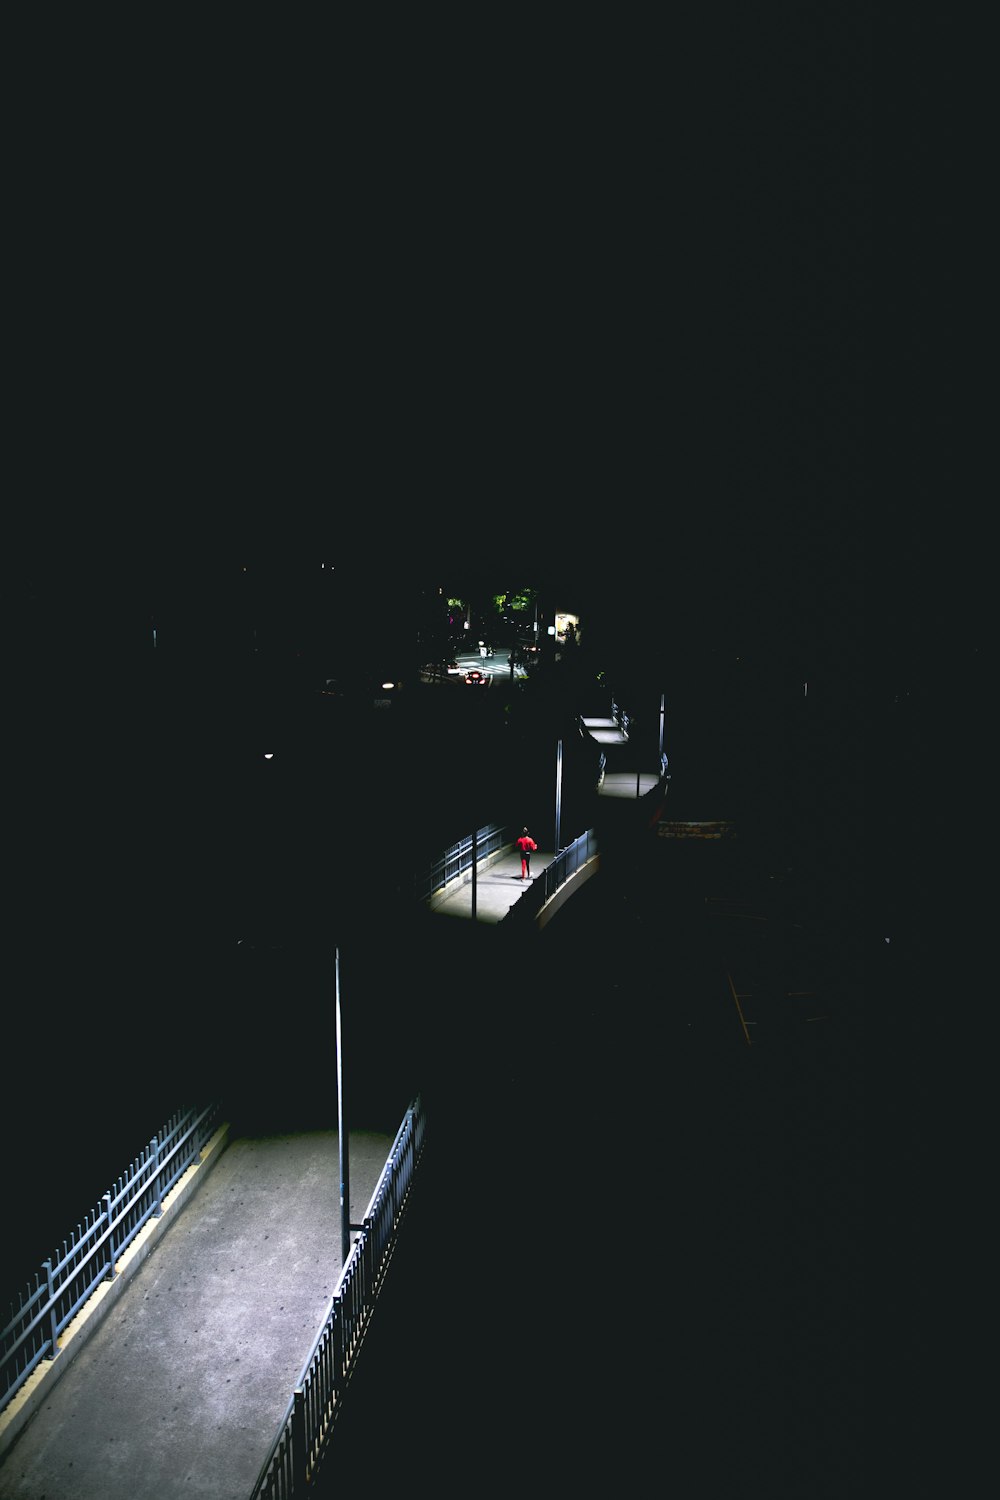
x=526 y=843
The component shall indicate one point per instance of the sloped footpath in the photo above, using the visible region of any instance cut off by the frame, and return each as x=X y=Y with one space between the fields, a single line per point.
x=181 y=1388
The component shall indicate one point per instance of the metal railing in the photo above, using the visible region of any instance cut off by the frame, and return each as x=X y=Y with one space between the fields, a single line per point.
x=555 y=874
x=453 y=863
x=621 y=718
x=307 y=1426
x=93 y=1249
x=602 y=766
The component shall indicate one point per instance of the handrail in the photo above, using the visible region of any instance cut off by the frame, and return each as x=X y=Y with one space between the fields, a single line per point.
x=304 y=1432
x=555 y=874
x=453 y=862
x=91 y=1253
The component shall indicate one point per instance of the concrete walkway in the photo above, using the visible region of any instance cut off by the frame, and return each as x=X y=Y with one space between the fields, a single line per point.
x=605 y=731
x=616 y=782
x=181 y=1388
x=498 y=887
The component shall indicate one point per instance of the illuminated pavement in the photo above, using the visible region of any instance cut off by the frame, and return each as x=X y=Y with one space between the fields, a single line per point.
x=182 y=1387
x=498 y=887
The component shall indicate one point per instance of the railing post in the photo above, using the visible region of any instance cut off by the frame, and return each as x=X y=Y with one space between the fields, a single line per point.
x=299 y=1442
x=155 y=1147
x=337 y=1320
x=112 y=1273
x=53 y=1322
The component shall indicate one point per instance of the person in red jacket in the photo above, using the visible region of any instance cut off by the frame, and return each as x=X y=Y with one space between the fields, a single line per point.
x=526 y=847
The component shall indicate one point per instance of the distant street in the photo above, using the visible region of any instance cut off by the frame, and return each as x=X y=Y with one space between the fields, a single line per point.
x=498 y=664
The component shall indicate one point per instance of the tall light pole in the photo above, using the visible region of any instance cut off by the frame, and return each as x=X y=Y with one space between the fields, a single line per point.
x=475 y=855
x=345 y=1172
x=558 y=792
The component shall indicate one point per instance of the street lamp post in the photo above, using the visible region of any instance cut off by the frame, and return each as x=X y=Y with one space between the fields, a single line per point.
x=475 y=853
x=345 y=1172
x=558 y=793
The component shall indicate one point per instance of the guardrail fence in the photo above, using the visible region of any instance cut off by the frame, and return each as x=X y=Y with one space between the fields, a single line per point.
x=305 y=1431
x=454 y=862
x=93 y=1249
x=547 y=882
